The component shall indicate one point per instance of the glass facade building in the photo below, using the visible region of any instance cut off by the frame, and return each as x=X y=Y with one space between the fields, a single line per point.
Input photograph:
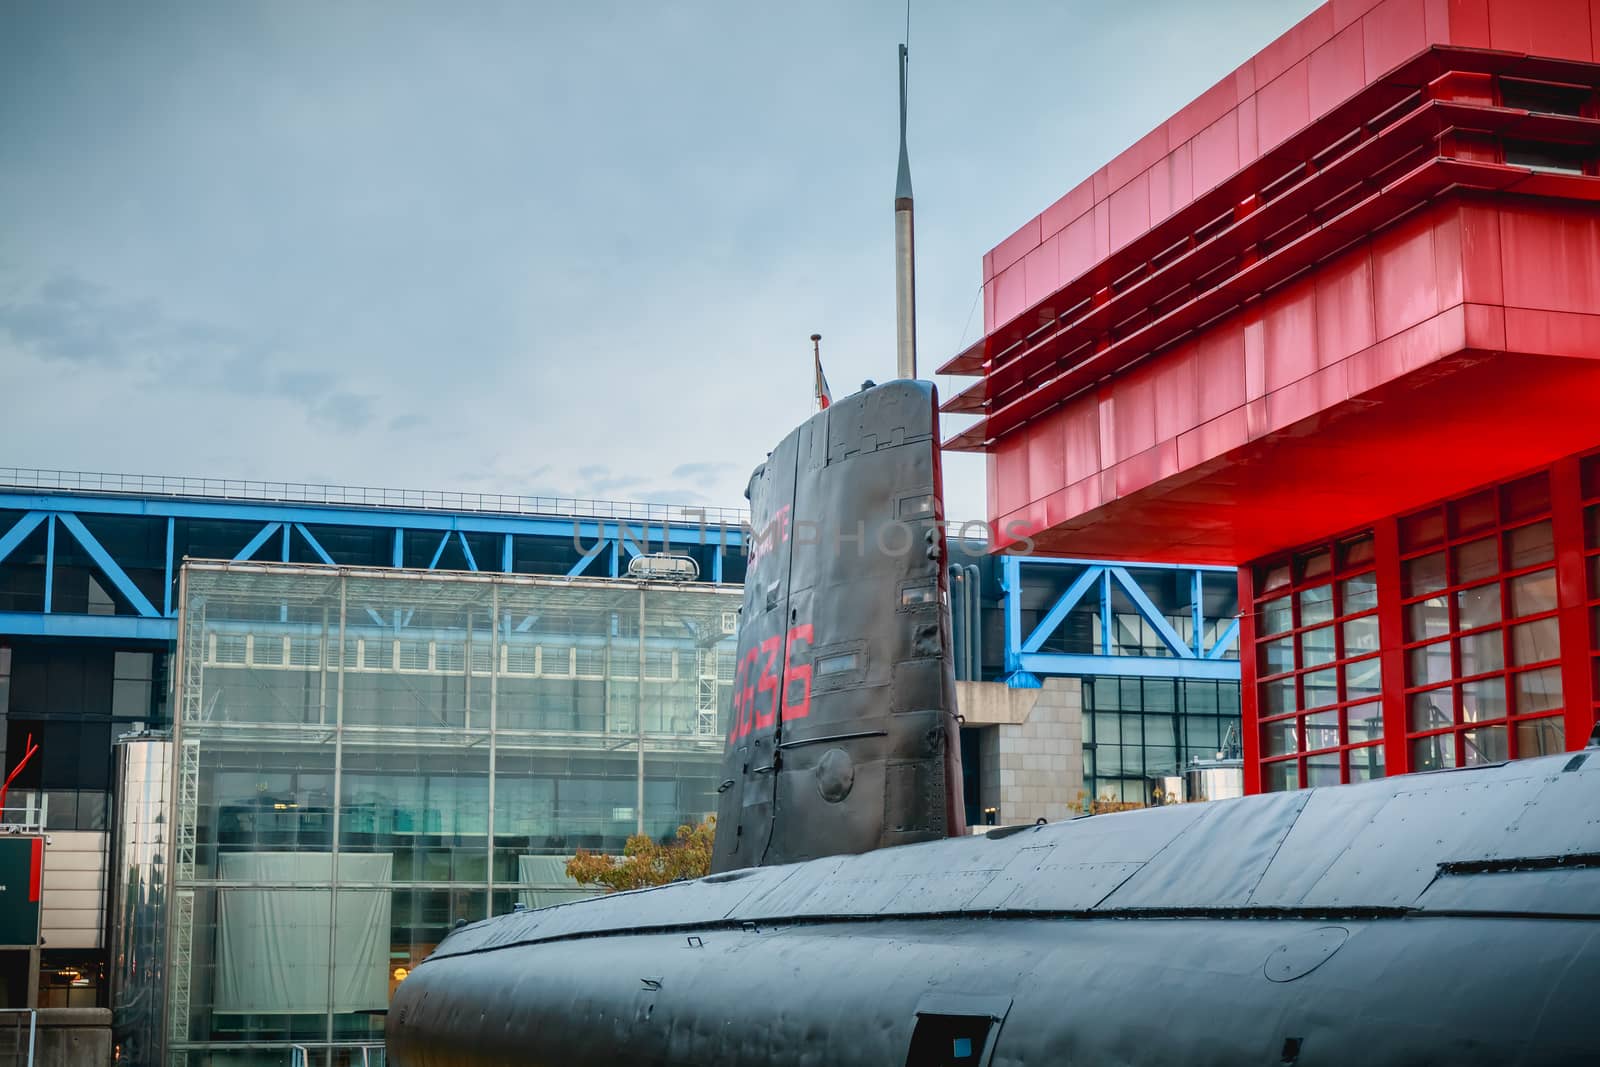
x=1139 y=731
x=365 y=758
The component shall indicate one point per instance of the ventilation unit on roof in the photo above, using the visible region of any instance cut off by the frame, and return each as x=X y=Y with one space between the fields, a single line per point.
x=662 y=567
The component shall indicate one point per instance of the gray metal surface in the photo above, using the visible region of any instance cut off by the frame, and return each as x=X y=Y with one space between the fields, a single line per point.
x=846 y=617
x=1408 y=921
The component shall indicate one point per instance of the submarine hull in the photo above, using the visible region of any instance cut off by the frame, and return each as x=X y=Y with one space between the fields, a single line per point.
x=1449 y=918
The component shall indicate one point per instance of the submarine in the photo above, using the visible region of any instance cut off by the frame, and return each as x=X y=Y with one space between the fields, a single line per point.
x=1443 y=918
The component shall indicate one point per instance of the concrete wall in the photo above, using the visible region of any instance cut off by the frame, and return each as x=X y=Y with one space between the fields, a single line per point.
x=66 y=1037
x=74 y=897
x=1031 y=747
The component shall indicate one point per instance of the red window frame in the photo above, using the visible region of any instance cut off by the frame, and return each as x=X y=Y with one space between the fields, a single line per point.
x=1492 y=515
x=1332 y=565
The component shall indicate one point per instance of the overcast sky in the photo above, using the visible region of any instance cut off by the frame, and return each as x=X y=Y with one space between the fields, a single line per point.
x=525 y=247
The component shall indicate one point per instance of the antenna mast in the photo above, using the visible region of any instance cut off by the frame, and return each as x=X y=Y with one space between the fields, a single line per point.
x=905 y=268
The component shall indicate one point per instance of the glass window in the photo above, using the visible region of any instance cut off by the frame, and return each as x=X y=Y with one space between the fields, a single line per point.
x=1366 y=763
x=1320 y=688
x=1364 y=722
x=1421 y=529
x=1277 y=697
x=1476 y=560
x=1322 y=770
x=1536 y=642
x=1433 y=753
x=1533 y=593
x=1316 y=564
x=1428 y=664
x=1280 y=738
x=1537 y=691
x=1473 y=512
x=1273 y=577
x=1487 y=744
x=1479 y=606
x=1362 y=679
x=1484 y=699
x=1427 y=619
x=1316 y=605
x=1361 y=635
x=1541 y=737
x=1481 y=653
x=1276 y=617
x=1322 y=730
x=1433 y=709
x=1317 y=647
x=1359 y=593
x=1356 y=551
x=1423 y=574
x=1281 y=776
x=1529 y=546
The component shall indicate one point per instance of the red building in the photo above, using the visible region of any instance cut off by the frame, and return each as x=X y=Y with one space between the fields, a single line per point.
x=1337 y=323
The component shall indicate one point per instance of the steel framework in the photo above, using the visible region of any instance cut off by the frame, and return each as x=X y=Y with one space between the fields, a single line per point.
x=1026 y=659
x=605 y=537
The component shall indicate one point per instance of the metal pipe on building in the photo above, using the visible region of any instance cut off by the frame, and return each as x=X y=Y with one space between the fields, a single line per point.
x=905 y=267
x=958 y=619
x=975 y=623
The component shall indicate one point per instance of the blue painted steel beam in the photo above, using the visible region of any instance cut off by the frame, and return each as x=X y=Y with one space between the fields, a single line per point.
x=466 y=549
x=1068 y=561
x=527 y=624
x=399 y=547
x=505 y=555
x=284 y=550
x=1224 y=639
x=49 y=565
x=256 y=542
x=1058 y=611
x=1130 y=666
x=587 y=558
x=316 y=546
x=1011 y=587
x=19 y=532
x=632 y=545
x=445 y=540
x=385 y=518
x=1107 y=634
x=1151 y=614
x=108 y=566
x=166 y=587
x=116 y=627
x=716 y=564
x=1196 y=597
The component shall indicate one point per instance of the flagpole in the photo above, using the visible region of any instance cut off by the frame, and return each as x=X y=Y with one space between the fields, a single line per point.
x=816 y=372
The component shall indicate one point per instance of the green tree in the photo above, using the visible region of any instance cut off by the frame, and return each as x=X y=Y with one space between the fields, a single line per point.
x=646 y=862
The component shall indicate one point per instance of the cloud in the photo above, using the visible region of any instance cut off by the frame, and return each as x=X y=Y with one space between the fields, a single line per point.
x=341 y=411
x=410 y=420
x=71 y=320
x=704 y=475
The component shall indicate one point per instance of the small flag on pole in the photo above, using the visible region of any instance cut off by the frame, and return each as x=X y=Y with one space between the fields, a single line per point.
x=824 y=394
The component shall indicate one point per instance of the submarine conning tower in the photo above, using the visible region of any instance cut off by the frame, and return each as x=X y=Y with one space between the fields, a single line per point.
x=843 y=733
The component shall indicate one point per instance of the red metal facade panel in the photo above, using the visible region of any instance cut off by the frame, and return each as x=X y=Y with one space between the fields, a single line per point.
x=1323 y=60
x=1392 y=305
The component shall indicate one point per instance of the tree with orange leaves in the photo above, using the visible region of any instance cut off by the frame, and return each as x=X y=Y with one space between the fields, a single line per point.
x=646 y=862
